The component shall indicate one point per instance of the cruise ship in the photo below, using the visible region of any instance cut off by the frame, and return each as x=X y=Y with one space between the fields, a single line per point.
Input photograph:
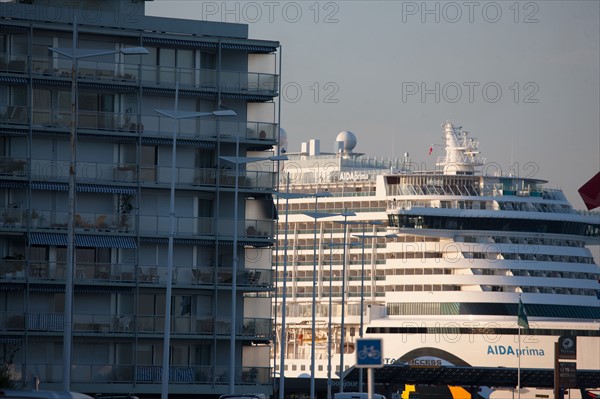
x=433 y=262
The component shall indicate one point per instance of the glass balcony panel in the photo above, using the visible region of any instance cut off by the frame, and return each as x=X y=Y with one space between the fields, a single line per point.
x=13 y=63
x=14 y=114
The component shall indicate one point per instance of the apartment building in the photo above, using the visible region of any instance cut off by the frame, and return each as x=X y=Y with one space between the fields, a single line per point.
x=72 y=97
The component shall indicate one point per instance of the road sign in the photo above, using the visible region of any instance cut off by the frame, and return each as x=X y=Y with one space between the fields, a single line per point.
x=567 y=347
x=369 y=353
x=567 y=374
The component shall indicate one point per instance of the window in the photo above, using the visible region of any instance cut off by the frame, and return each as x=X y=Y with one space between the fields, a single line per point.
x=180 y=355
x=145 y=355
x=149 y=161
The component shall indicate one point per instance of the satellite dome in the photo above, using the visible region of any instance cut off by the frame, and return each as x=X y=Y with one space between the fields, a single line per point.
x=347 y=140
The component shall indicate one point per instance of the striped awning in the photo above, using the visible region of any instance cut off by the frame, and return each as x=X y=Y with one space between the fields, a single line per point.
x=83 y=240
x=47 y=288
x=153 y=240
x=49 y=186
x=108 y=137
x=258 y=244
x=249 y=47
x=52 y=81
x=248 y=242
x=179 y=241
x=11 y=287
x=14 y=131
x=210 y=94
x=253 y=48
x=12 y=27
x=251 y=97
x=124 y=87
x=182 y=92
x=12 y=184
x=106 y=189
x=84 y=188
x=182 y=142
x=10 y=339
x=103 y=289
x=179 y=42
x=12 y=80
x=105 y=241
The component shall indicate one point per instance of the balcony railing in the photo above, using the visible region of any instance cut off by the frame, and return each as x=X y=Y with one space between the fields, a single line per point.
x=103 y=173
x=10 y=166
x=115 y=72
x=139 y=324
x=109 y=273
x=149 y=225
x=148 y=125
x=146 y=374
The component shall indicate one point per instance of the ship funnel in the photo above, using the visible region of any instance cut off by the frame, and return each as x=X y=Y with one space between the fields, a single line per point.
x=462 y=155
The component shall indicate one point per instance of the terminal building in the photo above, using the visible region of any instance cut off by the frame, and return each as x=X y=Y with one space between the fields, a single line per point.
x=87 y=164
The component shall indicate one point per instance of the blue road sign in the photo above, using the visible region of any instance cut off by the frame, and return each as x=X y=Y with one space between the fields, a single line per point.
x=369 y=352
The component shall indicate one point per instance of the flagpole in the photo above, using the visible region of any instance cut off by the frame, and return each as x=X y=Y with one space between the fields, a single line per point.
x=519 y=365
x=521 y=322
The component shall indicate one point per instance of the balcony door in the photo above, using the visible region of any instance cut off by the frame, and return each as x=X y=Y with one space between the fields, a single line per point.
x=96 y=111
x=149 y=163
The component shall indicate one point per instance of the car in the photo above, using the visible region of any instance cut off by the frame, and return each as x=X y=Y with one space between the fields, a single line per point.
x=10 y=394
x=244 y=396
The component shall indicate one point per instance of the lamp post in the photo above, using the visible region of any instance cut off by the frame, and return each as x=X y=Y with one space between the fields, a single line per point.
x=363 y=237
x=331 y=245
x=329 y=314
x=287 y=195
x=237 y=160
x=316 y=215
x=75 y=54
x=176 y=115
x=343 y=334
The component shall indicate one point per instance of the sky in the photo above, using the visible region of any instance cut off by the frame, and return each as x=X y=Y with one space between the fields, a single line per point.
x=523 y=77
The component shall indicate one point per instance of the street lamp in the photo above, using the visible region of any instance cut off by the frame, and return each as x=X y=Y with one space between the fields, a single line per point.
x=342 y=343
x=316 y=215
x=331 y=245
x=237 y=160
x=75 y=54
x=177 y=116
x=363 y=237
x=287 y=195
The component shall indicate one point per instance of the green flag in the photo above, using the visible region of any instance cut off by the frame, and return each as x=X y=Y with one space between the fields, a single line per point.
x=522 y=316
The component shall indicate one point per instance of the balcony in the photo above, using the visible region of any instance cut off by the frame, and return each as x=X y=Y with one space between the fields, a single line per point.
x=149 y=126
x=248 y=83
x=149 y=275
x=55 y=221
x=146 y=374
x=111 y=324
x=115 y=225
x=118 y=172
x=248 y=179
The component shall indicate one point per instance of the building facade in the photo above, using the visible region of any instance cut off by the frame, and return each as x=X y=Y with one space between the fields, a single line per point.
x=118 y=215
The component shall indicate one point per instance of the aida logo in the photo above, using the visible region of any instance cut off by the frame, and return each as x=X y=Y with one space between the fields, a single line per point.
x=353 y=176
x=509 y=350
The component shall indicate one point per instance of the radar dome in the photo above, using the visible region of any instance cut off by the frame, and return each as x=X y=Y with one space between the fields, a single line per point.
x=346 y=141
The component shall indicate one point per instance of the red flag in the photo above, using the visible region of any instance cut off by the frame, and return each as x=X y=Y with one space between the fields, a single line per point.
x=590 y=192
x=430 y=150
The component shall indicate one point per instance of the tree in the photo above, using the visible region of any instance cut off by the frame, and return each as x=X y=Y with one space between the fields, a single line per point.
x=5 y=377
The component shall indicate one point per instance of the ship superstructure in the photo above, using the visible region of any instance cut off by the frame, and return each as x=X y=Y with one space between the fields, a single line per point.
x=434 y=261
